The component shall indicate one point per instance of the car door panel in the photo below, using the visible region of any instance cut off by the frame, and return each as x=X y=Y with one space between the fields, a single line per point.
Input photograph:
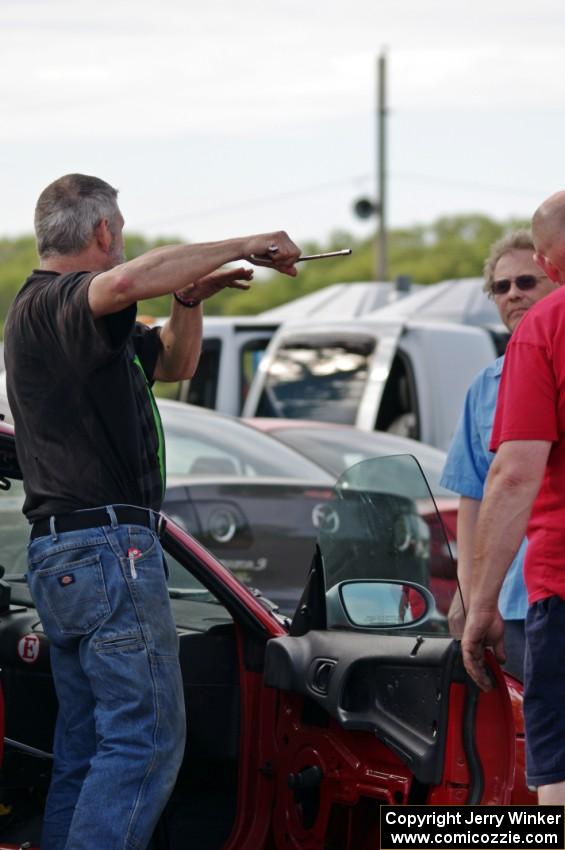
x=411 y=694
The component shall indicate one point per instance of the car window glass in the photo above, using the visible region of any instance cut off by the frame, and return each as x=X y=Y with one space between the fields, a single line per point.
x=14 y=530
x=382 y=525
x=194 y=456
x=194 y=606
x=203 y=386
x=318 y=379
x=208 y=444
x=337 y=451
x=251 y=355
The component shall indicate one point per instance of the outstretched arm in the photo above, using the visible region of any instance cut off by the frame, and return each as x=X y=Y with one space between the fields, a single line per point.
x=179 y=267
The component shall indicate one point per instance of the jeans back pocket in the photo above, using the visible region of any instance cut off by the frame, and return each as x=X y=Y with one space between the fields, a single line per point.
x=71 y=595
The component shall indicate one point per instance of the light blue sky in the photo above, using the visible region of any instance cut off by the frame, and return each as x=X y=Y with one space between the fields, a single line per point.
x=239 y=115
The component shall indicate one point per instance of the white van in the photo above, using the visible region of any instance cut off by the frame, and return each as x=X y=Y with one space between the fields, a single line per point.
x=232 y=346
x=405 y=376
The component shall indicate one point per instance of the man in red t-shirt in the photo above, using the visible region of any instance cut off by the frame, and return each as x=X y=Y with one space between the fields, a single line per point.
x=526 y=489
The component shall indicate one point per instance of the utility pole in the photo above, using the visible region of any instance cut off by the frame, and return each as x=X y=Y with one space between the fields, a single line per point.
x=381 y=264
x=366 y=207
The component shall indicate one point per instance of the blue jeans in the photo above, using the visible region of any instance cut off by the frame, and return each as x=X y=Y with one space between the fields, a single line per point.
x=102 y=597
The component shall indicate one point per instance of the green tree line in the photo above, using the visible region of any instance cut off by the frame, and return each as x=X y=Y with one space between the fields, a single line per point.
x=450 y=247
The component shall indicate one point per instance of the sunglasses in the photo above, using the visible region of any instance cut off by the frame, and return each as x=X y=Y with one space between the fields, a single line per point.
x=524 y=282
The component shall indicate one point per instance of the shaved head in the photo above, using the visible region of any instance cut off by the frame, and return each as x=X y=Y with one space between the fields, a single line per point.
x=548 y=224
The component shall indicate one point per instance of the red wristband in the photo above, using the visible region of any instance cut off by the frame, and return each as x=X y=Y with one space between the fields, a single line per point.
x=186 y=302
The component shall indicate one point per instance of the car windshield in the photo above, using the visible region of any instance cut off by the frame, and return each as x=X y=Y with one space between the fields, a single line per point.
x=201 y=442
x=339 y=448
x=318 y=377
x=382 y=525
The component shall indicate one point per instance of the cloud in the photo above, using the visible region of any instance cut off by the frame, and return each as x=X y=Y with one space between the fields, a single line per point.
x=192 y=108
x=125 y=68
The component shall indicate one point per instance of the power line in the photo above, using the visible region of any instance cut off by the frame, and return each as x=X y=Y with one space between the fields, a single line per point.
x=345 y=181
x=253 y=202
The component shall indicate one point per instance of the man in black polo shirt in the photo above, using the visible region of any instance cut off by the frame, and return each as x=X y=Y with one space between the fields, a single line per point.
x=90 y=445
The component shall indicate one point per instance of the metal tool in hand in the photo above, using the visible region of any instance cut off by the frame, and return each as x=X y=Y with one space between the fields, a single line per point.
x=267 y=259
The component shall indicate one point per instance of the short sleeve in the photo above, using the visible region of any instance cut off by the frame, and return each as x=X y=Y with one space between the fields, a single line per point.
x=61 y=310
x=527 y=399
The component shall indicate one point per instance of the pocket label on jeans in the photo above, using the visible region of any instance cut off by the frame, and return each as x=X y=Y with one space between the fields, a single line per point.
x=66 y=579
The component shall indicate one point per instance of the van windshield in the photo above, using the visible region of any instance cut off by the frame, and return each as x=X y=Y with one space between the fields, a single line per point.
x=318 y=377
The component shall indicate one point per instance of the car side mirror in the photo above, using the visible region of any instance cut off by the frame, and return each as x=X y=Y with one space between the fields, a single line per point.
x=377 y=604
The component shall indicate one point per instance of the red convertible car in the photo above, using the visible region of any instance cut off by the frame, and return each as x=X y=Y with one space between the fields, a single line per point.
x=297 y=731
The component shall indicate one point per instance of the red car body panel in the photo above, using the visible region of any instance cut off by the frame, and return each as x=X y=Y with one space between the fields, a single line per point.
x=521 y=794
